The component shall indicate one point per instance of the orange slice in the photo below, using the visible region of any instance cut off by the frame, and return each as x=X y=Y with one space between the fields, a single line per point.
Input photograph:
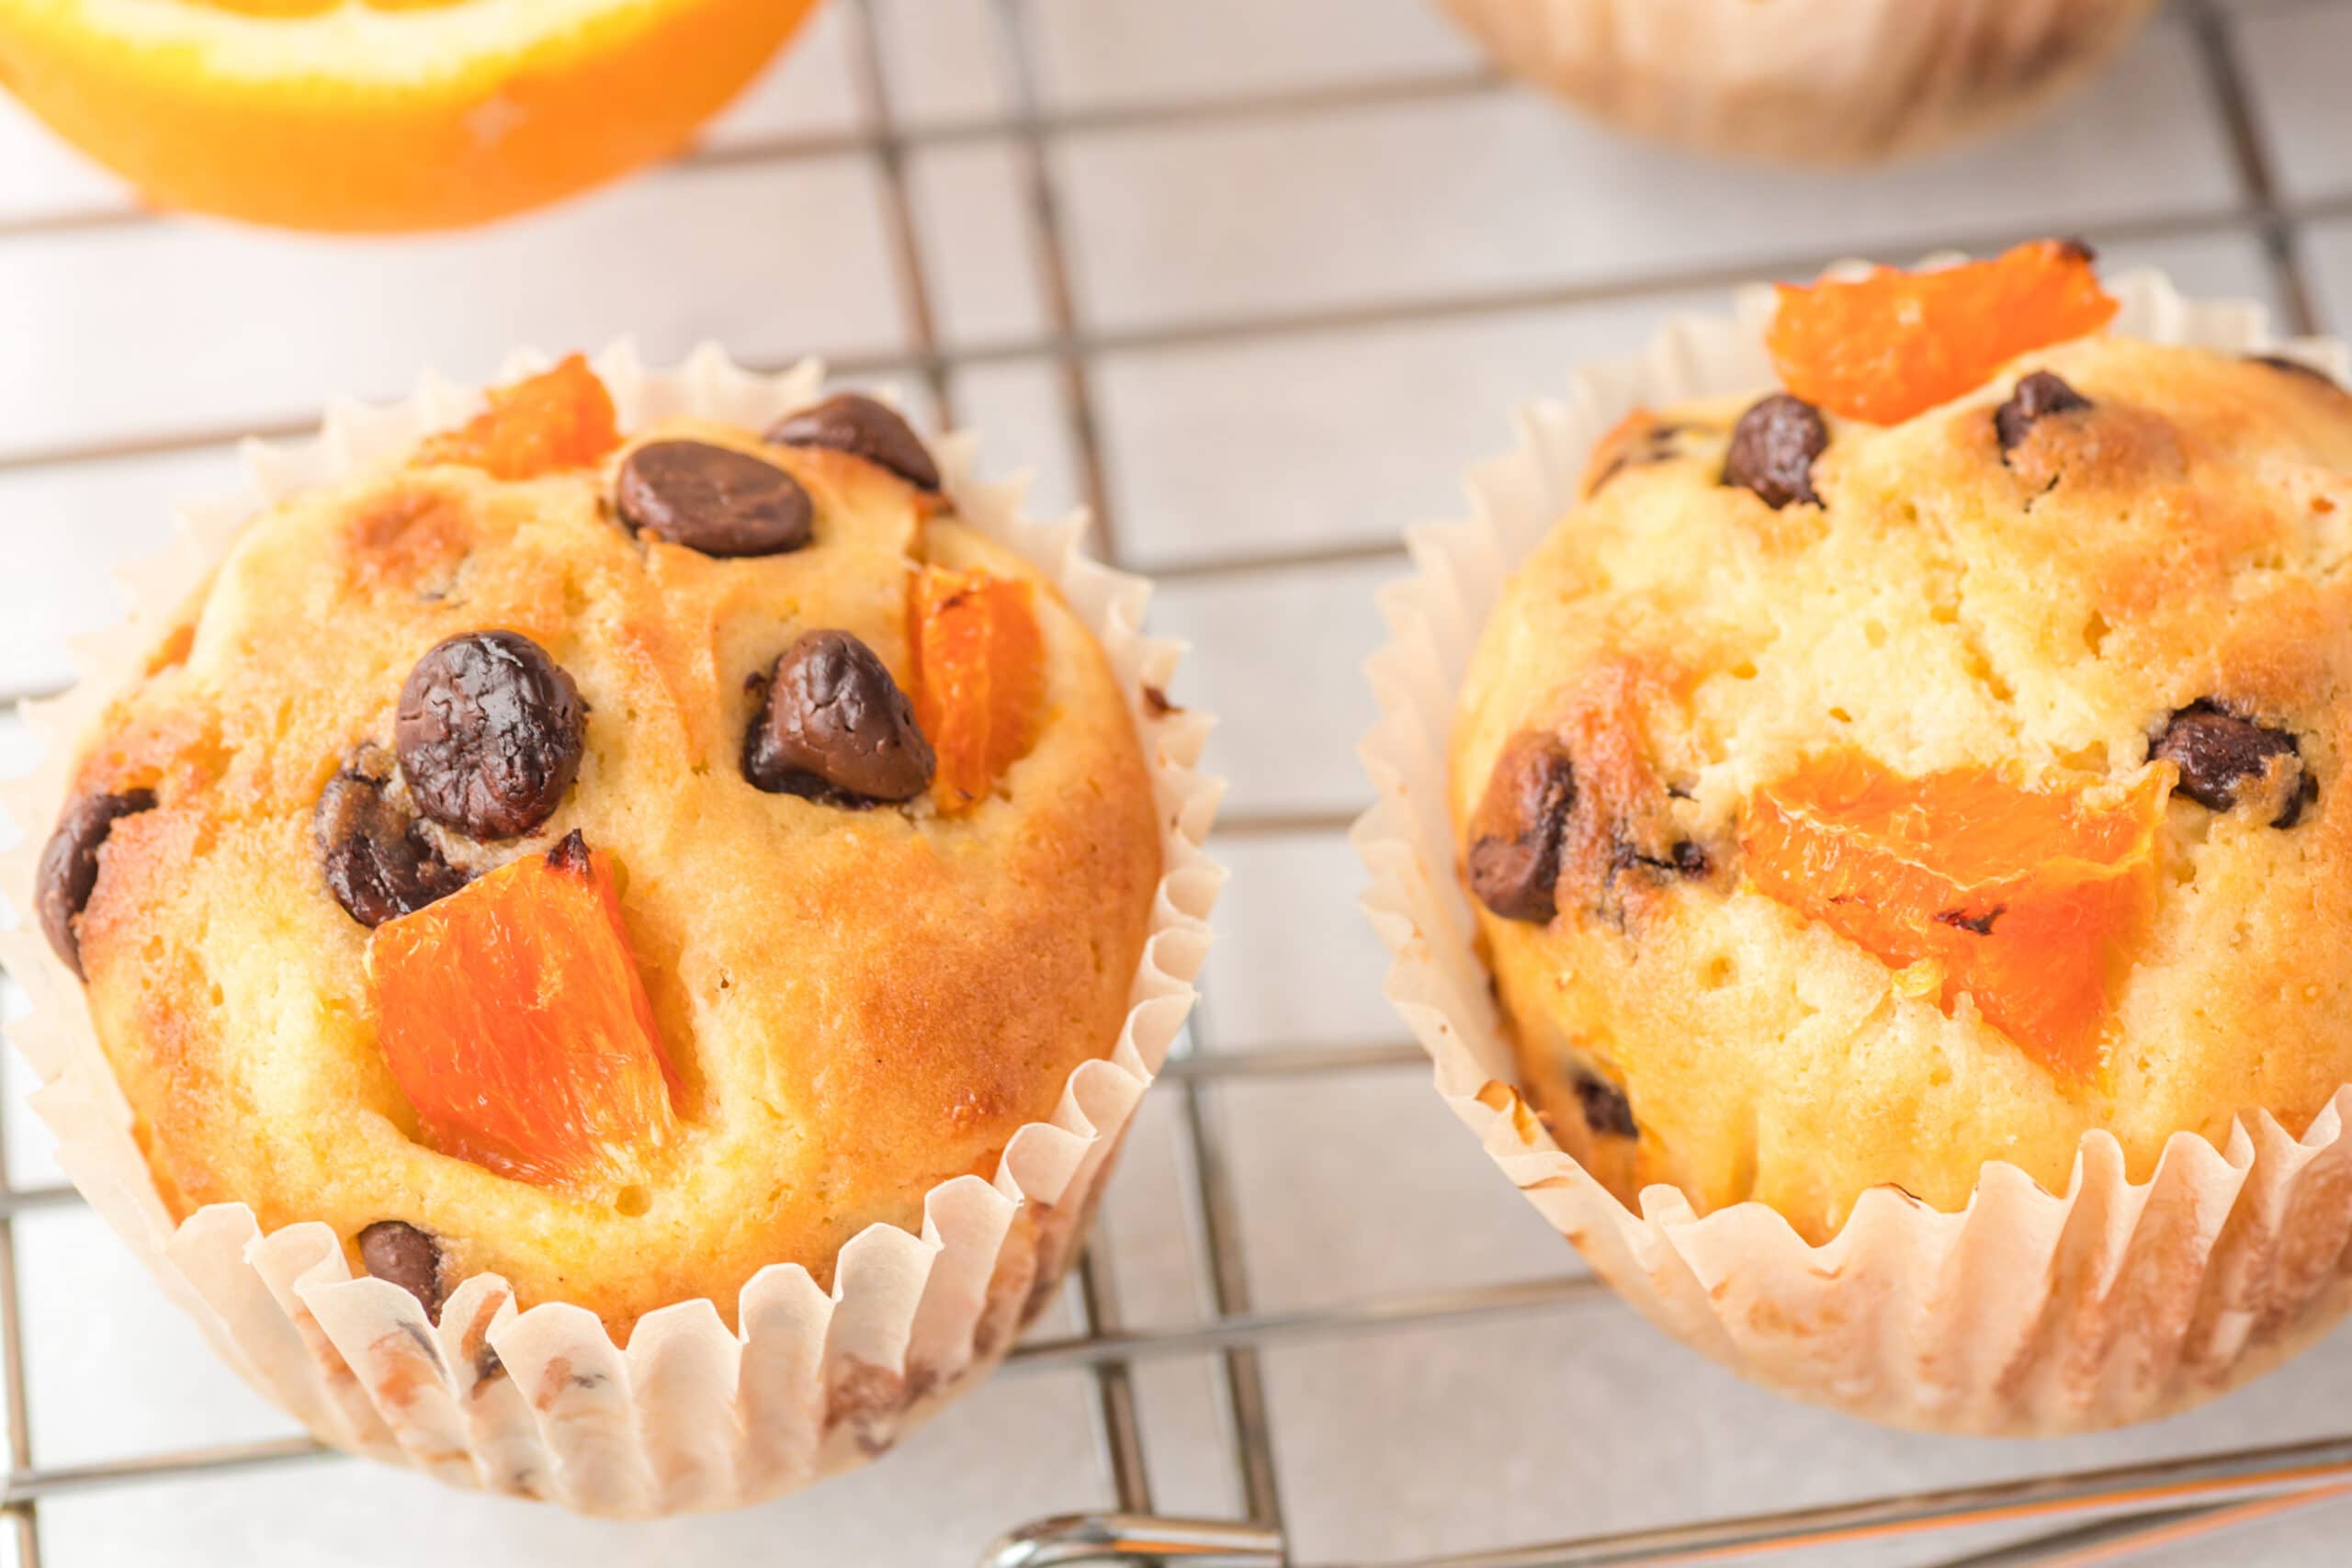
x=513 y=1018
x=2024 y=897
x=559 y=419
x=979 y=679
x=381 y=115
x=1893 y=345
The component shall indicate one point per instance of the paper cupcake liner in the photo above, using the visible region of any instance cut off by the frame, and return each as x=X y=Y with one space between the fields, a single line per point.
x=1802 y=81
x=541 y=1402
x=2027 y=1312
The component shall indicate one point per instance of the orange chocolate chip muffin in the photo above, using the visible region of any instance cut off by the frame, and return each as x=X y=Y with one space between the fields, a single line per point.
x=615 y=863
x=1929 y=762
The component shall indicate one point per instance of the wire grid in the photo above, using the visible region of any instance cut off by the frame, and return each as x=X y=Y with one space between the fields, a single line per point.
x=2138 y=1506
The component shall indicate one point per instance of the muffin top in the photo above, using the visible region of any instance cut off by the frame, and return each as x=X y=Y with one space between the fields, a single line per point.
x=614 y=864
x=1851 y=802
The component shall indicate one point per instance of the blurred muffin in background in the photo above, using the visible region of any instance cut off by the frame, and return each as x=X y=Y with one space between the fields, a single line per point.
x=1802 y=81
x=386 y=116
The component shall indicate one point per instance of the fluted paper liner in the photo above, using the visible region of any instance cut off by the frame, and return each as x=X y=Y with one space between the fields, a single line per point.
x=541 y=1402
x=1804 y=80
x=2029 y=1312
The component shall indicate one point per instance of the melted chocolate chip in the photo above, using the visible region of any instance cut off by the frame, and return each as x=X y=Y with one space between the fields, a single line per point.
x=378 y=862
x=1515 y=860
x=2037 y=396
x=714 y=500
x=1772 y=449
x=490 y=734
x=409 y=1258
x=2217 y=752
x=1691 y=858
x=1606 y=1109
x=69 y=865
x=835 y=726
x=571 y=854
x=852 y=423
x=2296 y=367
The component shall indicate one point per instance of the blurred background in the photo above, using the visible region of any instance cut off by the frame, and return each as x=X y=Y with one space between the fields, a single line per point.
x=1256 y=280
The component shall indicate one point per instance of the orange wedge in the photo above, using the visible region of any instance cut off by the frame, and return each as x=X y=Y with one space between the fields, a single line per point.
x=513 y=1018
x=1892 y=345
x=381 y=115
x=2021 y=898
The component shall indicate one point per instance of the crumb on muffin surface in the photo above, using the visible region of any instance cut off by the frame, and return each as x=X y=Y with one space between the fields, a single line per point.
x=860 y=997
x=2113 y=560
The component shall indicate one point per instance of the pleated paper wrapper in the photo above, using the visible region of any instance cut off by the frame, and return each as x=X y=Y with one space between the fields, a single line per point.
x=1804 y=80
x=540 y=1402
x=2029 y=1312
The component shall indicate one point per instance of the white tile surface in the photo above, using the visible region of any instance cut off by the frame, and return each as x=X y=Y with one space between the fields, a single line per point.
x=230 y=327
x=1498 y=191
x=1295 y=962
x=1023 y=416
x=808 y=91
x=944 y=59
x=1099 y=52
x=2296 y=56
x=970 y=201
x=41 y=177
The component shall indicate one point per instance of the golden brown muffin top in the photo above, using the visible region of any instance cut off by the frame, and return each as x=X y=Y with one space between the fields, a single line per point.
x=861 y=989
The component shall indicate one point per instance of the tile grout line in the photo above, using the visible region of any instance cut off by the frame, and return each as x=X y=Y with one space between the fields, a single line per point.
x=2231 y=87
x=24 y=1512
x=1119 y=1427
x=899 y=214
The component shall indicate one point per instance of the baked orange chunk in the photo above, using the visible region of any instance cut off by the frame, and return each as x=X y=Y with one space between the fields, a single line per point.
x=559 y=419
x=1893 y=345
x=513 y=1018
x=979 y=679
x=2024 y=898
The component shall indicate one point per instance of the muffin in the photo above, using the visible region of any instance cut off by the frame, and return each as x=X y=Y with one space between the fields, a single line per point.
x=618 y=871
x=1802 y=81
x=1891 y=846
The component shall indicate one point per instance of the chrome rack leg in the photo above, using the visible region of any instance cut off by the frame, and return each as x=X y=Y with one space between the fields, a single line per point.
x=1133 y=1539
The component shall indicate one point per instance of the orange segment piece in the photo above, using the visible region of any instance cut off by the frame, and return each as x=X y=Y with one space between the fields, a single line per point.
x=1893 y=345
x=513 y=1018
x=2024 y=897
x=559 y=419
x=381 y=115
x=979 y=679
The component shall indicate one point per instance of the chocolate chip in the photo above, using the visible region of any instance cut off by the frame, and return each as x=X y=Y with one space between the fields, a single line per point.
x=571 y=854
x=488 y=734
x=2216 y=751
x=1515 y=860
x=1691 y=858
x=2037 y=396
x=69 y=865
x=852 y=423
x=1979 y=924
x=834 y=724
x=378 y=862
x=409 y=1258
x=2074 y=249
x=2296 y=367
x=1772 y=449
x=713 y=499
x=1606 y=1109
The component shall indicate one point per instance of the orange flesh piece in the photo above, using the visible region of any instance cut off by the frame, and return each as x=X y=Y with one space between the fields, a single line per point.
x=513 y=1018
x=1885 y=348
x=979 y=679
x=559 y=419
x=2025 y=897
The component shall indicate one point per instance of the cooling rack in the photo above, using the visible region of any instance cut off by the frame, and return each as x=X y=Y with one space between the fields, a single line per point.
x=2250 y=190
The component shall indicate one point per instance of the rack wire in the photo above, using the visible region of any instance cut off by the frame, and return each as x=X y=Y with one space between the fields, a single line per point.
x=2092 y=1515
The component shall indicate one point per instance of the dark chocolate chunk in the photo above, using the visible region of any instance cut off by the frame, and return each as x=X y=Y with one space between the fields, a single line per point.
x=1515 y=859
x=834 y=724
x=490 y=734
x=2216 y=751
x=1980 y=924
x=2296 y=367
x=2037 y=396
x=1772 y=449
x=1691 y=860
x=409 y=1258
x=713 y=499
x=378 y=862
x=69 y=865
x=857 y=425
x=1606 y=1109
x=571 y=854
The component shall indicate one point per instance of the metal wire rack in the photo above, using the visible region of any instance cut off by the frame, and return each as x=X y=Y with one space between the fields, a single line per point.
x=2094 y=1515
